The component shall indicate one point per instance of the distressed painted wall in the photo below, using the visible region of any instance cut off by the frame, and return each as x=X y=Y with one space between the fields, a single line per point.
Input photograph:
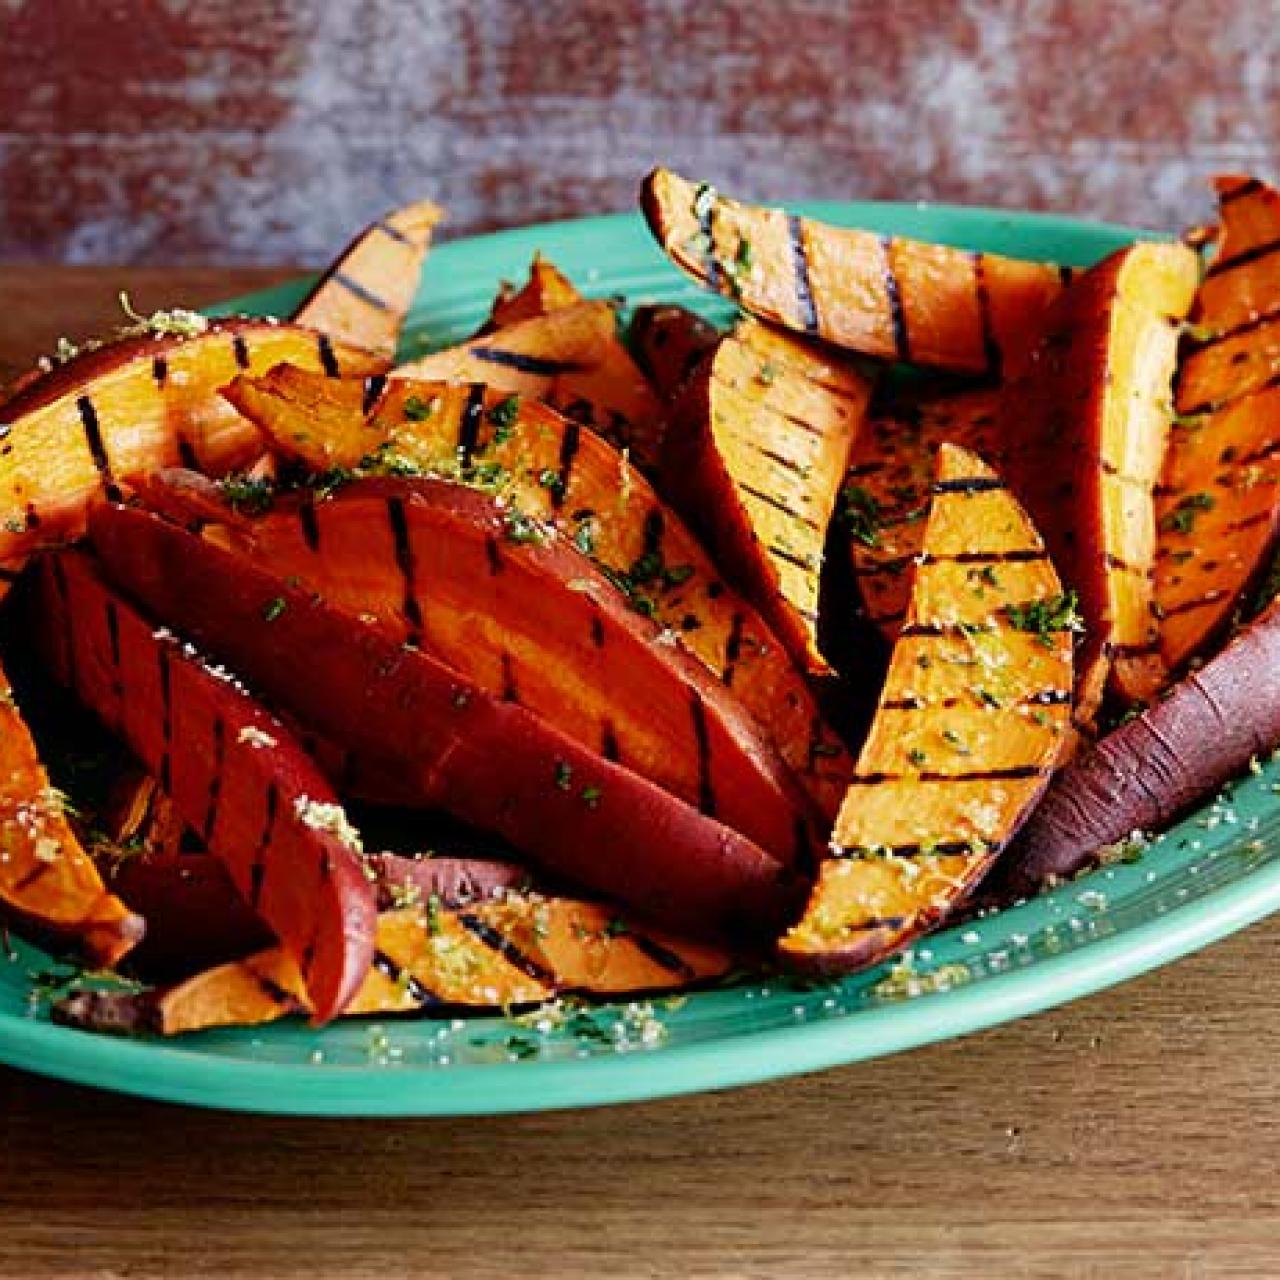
x=261 y=130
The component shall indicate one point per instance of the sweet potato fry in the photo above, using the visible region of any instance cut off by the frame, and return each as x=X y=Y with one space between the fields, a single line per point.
x=1085 y=427
x=232 y=770
x=1217 y=512
x=363 y=298
x=761 y=442
x=130 y=407
x=529 y=619
x=547 y=289
x=554 y=471
x=1146 y=773
x=880 y=295
x=885 y=497
x=573 y=360
x=972 y=718
x=47 y=881
x=520 y=950
x=669 y=342
x=488 y=762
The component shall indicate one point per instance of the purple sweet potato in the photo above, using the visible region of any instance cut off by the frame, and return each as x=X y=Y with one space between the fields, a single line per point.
x=1147 y=772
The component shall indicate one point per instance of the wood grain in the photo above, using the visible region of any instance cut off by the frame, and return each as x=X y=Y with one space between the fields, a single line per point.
x=1135 y=1134
x=267 y=130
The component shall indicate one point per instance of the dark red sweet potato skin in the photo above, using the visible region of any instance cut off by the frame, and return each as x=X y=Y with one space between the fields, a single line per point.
x=487 y=762
x=244 y=794
x=195 y=918
x=454 y=881
x=1147 y=772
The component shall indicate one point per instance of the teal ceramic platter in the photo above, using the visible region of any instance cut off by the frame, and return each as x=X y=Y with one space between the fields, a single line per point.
x=1215 y=873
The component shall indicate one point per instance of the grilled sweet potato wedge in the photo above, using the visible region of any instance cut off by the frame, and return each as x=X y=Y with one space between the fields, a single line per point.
x=47 y=880
x=1217 y=512
x=194 y=915
x=972 y=718
x=130 y=407
x=554 y=471
x=547 y=289
x=669 y=342
x=487 y=761
x=762 y=440
x=885 y=497
x=519 y=950
x=573 y=360
x=1155 y=767
x=232 y=770
x=926 y=304
x=530 y=619
x=1085 y=428
x=363 y=298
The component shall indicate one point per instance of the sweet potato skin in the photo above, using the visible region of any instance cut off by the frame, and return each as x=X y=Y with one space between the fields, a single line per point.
x=669 y=342
x=580 y=816
x=92 y=425
x=363 y=298
x=238 y=778
x=536 y=622
x=879 y=295
x=598 y=501
x=1152 y=769
x=761 y=441
x=972 y=719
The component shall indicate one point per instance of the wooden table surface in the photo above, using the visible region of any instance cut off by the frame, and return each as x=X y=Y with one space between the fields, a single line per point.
x=1134 y=1134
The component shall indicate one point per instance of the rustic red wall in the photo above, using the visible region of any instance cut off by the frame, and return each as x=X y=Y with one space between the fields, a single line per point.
x=256 y=130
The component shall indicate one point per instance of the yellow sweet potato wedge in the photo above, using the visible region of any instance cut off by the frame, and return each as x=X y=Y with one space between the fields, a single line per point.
x=573 y=360
x=127 y=408
x=880 y=295
x=553 y=470
x=1217 y=512
x=761 y=442
x=669 y=342
x=363 y=298
x=47 y=881
x=885 y=497
x=972 y=719
x=516 y=950
x=547 y=289
x=1086 y=426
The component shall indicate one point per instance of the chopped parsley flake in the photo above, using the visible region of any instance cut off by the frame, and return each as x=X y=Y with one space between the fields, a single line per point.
x=417 y=409
x=1044 y=617
x=860 y=514
x=503 y=415
x=273 y=609
x=1182 y=519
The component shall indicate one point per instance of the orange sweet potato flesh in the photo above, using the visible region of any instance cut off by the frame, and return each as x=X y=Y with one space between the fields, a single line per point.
x=519 y=950
x=1216 y=508
x=885 y=497
x=131 y=407
x=669 y=342
x=971 y=721
x=489 y=762
x=885 y=296
x=48 y=883
x=594 y=498
x=363 y=298
x=547 y=289
x=573 y=360
x=533 y=621
x=1085 y=427
x=762 y=440
x=234 y=773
